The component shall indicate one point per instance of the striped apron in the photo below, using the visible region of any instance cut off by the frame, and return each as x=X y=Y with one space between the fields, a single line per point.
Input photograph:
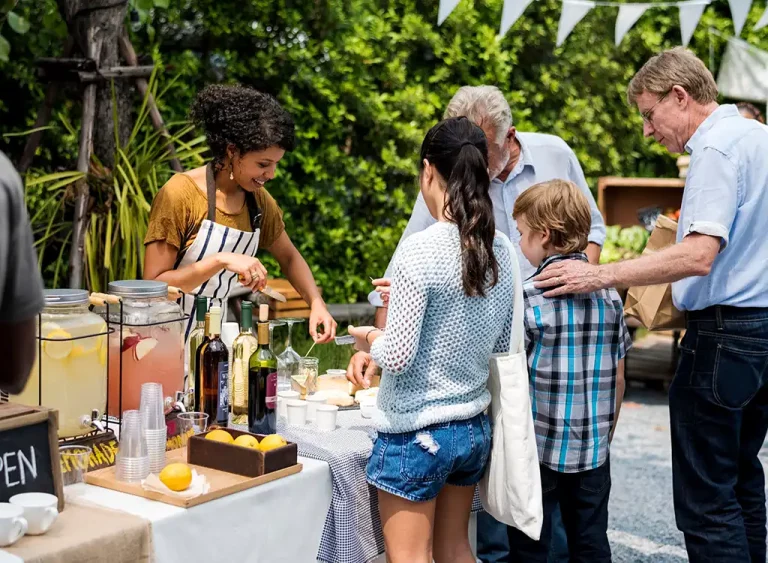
x=213 y=238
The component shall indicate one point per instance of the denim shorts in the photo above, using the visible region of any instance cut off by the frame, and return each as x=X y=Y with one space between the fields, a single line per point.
x=416 y=465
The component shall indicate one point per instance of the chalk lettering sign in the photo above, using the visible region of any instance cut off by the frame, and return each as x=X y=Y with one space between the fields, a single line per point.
x=29 y=456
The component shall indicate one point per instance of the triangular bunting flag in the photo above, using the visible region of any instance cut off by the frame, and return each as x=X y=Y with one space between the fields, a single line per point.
x=690 y=14
x=446 y=7
x=739 y=13
x=513 y=9
x=573 y=12
x=628 y=16
x=763 y=20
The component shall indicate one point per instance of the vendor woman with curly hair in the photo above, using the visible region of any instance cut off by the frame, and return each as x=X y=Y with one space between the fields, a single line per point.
x=207 y=224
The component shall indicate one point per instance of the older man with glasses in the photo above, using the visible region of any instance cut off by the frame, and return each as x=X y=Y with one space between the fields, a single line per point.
x=719 y=398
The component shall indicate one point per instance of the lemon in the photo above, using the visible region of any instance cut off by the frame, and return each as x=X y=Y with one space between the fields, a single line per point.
x=58 y=348
x=247 y=441
x=272 y=442
x=103 y=355
x=219 y=435
x=79 y=350
x=176 y=476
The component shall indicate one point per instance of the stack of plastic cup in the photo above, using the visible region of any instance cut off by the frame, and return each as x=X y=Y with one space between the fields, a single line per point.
x=155 y=430
x=132 y=462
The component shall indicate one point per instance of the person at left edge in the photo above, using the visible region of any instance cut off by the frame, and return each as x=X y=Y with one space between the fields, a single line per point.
x=248 y=132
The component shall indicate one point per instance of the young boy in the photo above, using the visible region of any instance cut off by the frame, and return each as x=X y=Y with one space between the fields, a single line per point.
x=576 y=346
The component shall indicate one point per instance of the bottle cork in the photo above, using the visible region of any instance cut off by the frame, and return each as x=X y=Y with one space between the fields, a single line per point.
x=263 y=313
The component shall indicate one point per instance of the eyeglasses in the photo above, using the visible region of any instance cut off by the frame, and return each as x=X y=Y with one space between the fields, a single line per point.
x=648 y=115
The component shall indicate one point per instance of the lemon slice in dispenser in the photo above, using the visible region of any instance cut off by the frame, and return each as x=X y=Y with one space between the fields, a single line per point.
x=59 y=347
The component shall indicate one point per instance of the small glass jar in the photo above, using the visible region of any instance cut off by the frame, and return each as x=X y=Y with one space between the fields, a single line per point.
x=70 y=372
x=149 y=343
x=308 y=371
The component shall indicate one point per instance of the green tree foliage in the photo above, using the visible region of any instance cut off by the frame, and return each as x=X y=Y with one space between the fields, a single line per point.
x=364 y=80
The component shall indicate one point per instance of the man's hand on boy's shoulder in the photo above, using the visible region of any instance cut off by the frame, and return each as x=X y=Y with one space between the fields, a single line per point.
x=569 y=277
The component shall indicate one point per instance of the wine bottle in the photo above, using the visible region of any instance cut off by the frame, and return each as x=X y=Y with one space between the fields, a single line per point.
x=198 y=391
x=215 y=374
x=243 y=346
x=193 y=343
x=262 y=382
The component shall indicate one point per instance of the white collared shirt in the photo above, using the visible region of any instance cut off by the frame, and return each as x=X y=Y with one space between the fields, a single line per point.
x=542 y=158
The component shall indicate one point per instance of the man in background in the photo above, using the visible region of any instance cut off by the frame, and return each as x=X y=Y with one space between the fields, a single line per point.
x=21 y=288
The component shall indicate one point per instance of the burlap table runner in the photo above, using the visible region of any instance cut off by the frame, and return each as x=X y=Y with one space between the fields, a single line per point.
x=89 y=534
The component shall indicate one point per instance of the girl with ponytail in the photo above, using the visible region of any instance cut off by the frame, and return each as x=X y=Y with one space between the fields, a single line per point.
x=450 y=309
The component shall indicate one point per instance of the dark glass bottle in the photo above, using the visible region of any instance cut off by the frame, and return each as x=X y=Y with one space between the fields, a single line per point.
x=215 y=374
x=262 y=382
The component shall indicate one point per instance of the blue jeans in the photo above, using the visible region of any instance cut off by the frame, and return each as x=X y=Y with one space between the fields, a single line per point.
x=493 y=543
x=417 y=465
x=718 y=406
x=583 y=500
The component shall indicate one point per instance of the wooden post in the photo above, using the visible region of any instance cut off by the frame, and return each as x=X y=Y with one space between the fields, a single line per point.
x=129 y=54
x=82 y=194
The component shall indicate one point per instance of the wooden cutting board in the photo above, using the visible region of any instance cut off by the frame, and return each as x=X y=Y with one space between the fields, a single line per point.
x=221 y=483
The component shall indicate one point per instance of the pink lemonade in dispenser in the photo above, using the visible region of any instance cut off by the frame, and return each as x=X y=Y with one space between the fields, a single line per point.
x=150 y=346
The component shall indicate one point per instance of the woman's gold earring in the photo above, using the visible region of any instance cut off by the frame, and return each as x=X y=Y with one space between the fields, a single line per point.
x=231 y=174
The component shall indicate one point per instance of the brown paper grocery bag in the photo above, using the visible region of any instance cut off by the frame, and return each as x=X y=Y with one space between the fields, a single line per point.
x=652 y=305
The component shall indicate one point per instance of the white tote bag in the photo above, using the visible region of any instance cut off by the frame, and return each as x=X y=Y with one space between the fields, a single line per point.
x=511 y=487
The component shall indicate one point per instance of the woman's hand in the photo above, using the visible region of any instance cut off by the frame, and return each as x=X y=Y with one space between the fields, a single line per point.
x=361 y=369
x=383 y=286
x=364 y=336
x=319 y=316
x=250 y=271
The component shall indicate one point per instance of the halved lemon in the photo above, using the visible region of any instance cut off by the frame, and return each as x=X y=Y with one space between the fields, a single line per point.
x=78 y=351
x=59 y=347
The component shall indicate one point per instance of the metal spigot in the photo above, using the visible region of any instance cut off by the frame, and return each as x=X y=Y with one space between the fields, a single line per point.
x=180 y=401
x=94 y=420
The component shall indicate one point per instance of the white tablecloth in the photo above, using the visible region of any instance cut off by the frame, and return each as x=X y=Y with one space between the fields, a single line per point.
x=278 y=522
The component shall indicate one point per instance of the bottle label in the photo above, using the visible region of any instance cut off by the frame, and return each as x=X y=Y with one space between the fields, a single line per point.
x=222 y=409
x=271 y=398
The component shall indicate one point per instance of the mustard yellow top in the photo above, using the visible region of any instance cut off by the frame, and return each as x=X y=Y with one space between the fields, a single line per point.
x=180 y=207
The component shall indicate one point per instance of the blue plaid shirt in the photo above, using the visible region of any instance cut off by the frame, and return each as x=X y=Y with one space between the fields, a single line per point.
x=574 y=344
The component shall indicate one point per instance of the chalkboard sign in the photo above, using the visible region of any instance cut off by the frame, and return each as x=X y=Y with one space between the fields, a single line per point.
x=29 y=453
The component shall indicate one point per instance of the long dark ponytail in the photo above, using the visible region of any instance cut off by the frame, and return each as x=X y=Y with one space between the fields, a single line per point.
x=458 y=149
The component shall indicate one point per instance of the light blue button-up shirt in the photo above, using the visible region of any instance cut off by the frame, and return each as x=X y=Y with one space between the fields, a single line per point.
x=726 y=196
x=542 y=158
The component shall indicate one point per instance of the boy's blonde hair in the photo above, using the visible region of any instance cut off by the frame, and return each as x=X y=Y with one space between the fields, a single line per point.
x=561 y=207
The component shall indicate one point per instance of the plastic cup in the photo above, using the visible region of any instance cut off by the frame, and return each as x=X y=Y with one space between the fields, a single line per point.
x=297 y=412
x=197 y=422
x=191 y=424
x=152 y=406
x=282 y=399
x=74 y=463
x=132 y=462
x=326 y=417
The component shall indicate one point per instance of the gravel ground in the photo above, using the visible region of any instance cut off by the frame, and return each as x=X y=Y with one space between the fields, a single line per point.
x=642 y=521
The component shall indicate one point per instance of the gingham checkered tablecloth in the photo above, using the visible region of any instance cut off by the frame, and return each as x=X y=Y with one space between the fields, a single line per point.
x=352 y=531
